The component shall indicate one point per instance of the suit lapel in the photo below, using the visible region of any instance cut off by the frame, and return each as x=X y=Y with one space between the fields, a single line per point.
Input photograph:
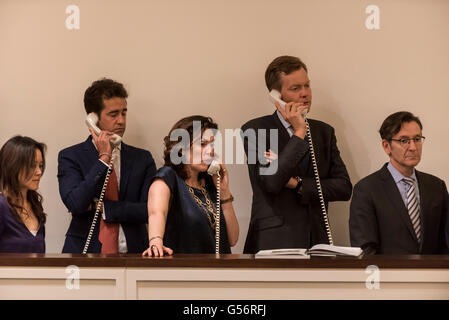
x=424 y=198
x=125 y=170
x=394 y=196
x=91 y=151
x=282 y=132
x=316 y=148
x=284 y=137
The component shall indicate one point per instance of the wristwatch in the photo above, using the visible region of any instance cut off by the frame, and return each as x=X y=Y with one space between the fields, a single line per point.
x=298 y=186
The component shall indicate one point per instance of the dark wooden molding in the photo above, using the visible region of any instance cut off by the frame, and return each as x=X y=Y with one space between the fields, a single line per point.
x=221 y=261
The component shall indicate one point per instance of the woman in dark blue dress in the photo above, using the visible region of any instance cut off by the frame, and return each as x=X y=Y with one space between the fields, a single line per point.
x=22 y=217
x=182 y=199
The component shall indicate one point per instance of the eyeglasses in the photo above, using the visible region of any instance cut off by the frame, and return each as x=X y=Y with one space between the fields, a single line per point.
x=405 y=142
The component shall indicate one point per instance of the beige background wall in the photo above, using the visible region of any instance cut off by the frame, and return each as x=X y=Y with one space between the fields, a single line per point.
x=178 y=58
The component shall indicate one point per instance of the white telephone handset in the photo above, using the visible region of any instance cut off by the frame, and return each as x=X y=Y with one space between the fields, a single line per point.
x=92 y=120
x=276 y=96
x=214 y=168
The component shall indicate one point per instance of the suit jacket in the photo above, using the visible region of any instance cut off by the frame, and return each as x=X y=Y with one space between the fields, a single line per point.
x=380 y=222
x=279 y=217
x=81 y=175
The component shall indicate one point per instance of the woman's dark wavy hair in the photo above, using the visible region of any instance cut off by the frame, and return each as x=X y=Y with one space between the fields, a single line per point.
x=186 y=124
x=16 y=155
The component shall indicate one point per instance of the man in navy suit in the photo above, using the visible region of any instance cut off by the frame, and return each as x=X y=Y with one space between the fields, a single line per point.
x=398 y=209
x=82 y=168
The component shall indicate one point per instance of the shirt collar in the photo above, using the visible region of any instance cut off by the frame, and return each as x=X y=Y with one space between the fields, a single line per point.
x=397 y=176
x=284 y=123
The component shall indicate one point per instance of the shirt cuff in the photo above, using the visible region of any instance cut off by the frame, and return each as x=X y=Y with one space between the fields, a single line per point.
x=107 y=165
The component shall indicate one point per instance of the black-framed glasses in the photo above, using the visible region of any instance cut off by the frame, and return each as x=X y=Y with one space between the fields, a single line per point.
x=405 y=142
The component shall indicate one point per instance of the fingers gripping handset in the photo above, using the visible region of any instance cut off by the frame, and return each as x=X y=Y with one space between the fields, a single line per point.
x=275 y=95
x=214 y=168
x=91 y=122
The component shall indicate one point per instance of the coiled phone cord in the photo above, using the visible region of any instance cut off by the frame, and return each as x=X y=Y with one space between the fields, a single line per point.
x=318 y=184
x=217 y=217
x=98 y=209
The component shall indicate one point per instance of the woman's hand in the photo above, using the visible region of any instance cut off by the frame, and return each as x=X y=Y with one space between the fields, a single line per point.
x=158 y=203
x=232 y=224
x=157 y=249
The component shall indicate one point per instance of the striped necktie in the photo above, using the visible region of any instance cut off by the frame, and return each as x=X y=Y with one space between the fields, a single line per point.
x=413 y=206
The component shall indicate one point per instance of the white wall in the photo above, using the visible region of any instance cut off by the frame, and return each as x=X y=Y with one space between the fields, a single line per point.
x=179 y=58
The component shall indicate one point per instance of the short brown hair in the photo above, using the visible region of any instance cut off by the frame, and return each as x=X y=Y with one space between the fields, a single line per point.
x=186 y=124
x=282 y=64
x=393 y=124
x=100 y=90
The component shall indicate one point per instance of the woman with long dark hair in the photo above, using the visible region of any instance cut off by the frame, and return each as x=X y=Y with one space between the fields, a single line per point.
x=182 y=206
x=22 y=218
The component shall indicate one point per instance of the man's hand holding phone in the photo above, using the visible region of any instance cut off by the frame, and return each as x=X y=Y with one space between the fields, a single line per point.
x=103 y=144
x=293 y=115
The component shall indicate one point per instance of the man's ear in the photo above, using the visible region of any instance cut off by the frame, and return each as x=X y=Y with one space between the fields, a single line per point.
x=387 y=146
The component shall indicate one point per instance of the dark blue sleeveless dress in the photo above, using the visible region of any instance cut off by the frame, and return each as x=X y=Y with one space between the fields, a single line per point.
x=188 y=229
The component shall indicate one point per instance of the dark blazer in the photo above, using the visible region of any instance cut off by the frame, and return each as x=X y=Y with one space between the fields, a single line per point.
x=380 y=222
x=279 y=217
x=81 y=175
x=14 y=234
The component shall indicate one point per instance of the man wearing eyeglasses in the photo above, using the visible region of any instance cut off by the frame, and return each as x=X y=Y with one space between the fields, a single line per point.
x=398 y=209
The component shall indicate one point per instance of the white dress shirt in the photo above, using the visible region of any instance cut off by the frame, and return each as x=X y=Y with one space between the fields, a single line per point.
x=122 y=246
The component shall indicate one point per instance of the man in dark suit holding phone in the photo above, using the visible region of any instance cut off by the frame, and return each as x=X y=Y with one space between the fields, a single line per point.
x=82 y=169
x=286 y=211
x=398 y=209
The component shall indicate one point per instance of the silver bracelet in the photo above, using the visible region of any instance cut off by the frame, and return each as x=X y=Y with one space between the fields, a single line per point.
x=155 y=238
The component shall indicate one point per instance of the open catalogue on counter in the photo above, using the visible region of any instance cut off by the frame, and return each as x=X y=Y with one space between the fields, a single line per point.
x=324 y=250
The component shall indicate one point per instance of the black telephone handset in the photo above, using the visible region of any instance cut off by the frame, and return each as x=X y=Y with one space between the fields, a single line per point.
x=214 y=168
x=91 y=122
x=275 y=95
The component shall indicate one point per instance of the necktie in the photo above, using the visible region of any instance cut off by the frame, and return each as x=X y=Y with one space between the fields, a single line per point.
x=109 y=231
x=413 y=207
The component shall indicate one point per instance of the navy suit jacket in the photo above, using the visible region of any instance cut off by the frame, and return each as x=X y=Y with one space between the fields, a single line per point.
x=279 y=218
x=81 y=175
x=380 y=223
